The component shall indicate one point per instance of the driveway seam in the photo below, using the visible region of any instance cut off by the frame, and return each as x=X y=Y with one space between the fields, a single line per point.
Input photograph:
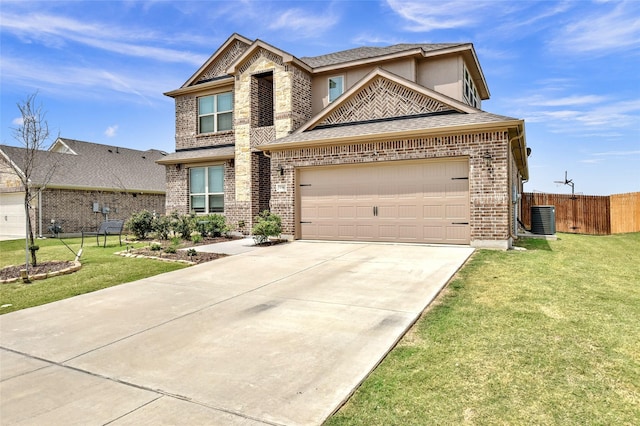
x=161 y=393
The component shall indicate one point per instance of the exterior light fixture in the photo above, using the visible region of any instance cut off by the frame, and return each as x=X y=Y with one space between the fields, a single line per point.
x=487 y=159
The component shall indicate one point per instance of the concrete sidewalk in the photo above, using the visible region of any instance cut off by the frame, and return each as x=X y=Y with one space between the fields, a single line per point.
x=277 y=335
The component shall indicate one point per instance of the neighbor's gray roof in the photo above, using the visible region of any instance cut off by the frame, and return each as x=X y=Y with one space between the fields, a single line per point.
x=369 y=52
x=96 y=166
x=382 y=127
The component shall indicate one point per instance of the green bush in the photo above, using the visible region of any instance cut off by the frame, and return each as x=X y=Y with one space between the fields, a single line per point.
x=170 y=249
x=141 y=224
x=162 y=227
x=267 y=225
x=213 y=225
x=196 y=237
x=183 y=224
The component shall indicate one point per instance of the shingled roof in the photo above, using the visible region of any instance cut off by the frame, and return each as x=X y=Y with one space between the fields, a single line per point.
x=95 y=166
x=368 y=52
x=425 y=124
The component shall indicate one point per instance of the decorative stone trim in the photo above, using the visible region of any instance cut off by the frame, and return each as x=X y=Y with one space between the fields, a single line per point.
x=141 y=256
x=76 y=266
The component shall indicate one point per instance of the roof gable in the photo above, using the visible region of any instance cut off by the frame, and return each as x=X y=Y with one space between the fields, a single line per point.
x=216 y=66
x=381 y=94
x=259 y=47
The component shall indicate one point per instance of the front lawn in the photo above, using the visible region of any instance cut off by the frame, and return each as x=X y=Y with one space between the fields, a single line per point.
x=550 y=335
x=100 y=269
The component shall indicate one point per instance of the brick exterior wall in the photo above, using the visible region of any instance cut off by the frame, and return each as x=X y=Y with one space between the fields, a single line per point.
x=177 y=199
x=187 y=136
x=490 y=206
x=74 y=209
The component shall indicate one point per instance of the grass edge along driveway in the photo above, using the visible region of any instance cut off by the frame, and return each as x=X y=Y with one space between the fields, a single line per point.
x=544 y=336
x=100 y=269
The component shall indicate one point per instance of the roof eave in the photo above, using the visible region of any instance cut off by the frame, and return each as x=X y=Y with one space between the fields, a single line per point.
x=200 y=87
x=102 y=188
x=366 y=61
x=203 y=159
x=400 y=134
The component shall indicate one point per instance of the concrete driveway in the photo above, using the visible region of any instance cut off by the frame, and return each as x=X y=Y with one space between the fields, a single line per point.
x=278 y=335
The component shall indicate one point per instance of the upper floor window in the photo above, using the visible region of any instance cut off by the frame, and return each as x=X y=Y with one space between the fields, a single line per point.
x=206 y=189
x=336 y=87
x=470 y=91
x=215 y=113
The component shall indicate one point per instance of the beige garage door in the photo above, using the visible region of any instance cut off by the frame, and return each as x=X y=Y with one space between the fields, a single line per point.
x=12 y=216
x=399 y=201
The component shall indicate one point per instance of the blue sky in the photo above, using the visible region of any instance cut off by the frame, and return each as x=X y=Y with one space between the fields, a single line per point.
x=570 y=69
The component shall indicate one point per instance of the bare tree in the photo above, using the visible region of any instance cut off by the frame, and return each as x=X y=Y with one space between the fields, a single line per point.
x=33 y=134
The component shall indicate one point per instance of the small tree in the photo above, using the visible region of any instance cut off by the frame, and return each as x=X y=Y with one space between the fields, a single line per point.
x=33 y=135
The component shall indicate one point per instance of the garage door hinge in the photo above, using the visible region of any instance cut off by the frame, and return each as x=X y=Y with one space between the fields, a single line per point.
x=305 y=184
x=459 y=223
x=460 y=178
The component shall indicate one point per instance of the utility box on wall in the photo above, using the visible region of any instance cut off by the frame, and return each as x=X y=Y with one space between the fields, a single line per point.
x=96 y=207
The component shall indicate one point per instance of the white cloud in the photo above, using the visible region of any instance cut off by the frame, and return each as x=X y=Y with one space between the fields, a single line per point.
x=57 y=31
x=618 y=153
x=566 y=101
x=430 y=16
x=18 y=121
x=303 y=21
x=77 y=81
x=111 y=131
x=615 y=29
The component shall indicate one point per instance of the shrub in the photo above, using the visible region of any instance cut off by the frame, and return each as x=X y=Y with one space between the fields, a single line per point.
x=196 y=237
x=170 y=249
x=267 y=225
x=215 y=225
x=141 y=224
x=162 y=227
x=183 y=225
x=155 y=246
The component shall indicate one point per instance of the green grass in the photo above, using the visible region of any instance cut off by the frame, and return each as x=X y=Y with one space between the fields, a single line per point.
x=546 y=336
x=100 y=269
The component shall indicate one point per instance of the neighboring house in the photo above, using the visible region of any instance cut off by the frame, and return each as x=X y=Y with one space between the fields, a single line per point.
x=88 y=183
x=368 y=144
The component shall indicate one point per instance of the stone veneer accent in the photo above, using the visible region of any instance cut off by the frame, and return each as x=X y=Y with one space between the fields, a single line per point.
x=491 y=207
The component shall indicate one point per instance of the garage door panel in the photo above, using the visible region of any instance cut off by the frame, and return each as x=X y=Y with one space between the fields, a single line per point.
x=415 y=201
x=12 y=215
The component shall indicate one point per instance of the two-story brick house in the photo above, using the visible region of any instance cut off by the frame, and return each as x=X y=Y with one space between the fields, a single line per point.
x=369 y=144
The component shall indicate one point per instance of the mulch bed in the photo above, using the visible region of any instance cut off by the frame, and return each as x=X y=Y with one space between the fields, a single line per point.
x=13 y=271
x=180 y=255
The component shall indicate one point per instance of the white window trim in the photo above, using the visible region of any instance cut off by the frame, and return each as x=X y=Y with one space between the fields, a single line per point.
x=329 y=86
x=215 y=113
x=473 y=98
x=206 y=194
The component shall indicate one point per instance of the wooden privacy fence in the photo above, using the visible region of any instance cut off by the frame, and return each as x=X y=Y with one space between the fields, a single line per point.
x=587 y=214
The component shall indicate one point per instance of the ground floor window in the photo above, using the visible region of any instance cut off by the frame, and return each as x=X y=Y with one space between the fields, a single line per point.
x=206 y=189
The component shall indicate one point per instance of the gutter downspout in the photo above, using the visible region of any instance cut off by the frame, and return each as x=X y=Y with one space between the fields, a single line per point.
x=517 y=197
